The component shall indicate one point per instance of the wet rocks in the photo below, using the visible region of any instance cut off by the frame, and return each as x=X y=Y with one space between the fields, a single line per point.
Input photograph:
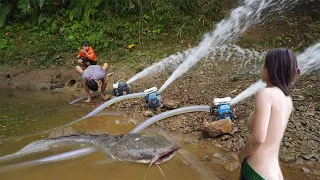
x=206 y=158
x=306 y=170
x=308 y=156
x=231 y=166
x=217 y=128
x=288 y=158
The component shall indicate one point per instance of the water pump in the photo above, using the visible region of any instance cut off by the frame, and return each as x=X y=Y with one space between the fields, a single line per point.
x=120 y=88
x=222 y=109
x=152 y=98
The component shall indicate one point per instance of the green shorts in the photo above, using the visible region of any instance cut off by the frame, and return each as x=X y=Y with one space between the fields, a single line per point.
x=247 y=173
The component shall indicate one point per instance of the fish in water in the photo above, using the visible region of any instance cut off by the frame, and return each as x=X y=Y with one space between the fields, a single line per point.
x=130 y=148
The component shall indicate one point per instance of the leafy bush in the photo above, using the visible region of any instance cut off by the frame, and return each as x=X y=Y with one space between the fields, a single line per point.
x=43 y=30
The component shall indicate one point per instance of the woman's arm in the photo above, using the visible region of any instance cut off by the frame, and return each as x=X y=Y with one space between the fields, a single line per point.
x=260 y=125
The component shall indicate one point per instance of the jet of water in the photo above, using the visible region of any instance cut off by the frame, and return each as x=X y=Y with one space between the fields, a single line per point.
x=308 y=61
x=223 y=53
x=171 y=61
x=241 y=18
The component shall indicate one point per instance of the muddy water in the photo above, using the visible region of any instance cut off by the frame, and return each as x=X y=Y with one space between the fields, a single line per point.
x=25 y=112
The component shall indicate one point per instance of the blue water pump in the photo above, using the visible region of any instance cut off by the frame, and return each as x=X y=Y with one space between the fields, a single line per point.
x=222 y=109
x=120 y=88
x=152 y=98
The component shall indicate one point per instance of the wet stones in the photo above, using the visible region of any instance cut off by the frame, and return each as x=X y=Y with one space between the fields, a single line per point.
x=206 y=158
x=217 y=128
x=231 y=166
x=308 y=156
x=288 y=158
x=306 y=170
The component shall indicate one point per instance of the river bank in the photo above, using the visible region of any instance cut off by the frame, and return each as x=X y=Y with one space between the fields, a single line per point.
x=199 y=86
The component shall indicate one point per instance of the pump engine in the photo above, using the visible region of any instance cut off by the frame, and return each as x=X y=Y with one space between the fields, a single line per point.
x=152 y=98
x=222 y=109
x=120 y=88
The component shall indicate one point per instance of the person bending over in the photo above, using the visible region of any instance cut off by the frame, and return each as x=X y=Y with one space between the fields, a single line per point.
x=267 y=124
x=91 y=77
x=86 y=55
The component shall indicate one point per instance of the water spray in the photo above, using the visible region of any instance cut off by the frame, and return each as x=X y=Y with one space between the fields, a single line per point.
x=308 y=61
x=241 y=18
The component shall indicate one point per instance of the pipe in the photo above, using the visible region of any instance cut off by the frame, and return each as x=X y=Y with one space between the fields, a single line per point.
x=58 y=157
x=83 y=98
x=167 y=114
x=106 y=104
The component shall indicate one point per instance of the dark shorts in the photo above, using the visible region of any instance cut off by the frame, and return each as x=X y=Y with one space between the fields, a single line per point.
x=247 y=173
x=84 y=60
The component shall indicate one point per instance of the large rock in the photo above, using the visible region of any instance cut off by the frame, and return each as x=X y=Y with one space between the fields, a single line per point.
x=217 y=128
x=170 y=104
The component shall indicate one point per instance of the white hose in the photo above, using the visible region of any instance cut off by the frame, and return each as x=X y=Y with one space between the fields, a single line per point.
x=83 y=98
x=106 y=104
x=59 y=157
x=167 y=114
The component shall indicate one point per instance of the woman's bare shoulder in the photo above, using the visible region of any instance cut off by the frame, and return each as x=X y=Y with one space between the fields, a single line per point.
x=272 y=94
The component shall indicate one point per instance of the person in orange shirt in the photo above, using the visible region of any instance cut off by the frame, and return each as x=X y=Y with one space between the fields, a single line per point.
x=86 y=55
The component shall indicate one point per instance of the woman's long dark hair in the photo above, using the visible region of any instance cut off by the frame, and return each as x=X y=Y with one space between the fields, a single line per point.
x=282 y=67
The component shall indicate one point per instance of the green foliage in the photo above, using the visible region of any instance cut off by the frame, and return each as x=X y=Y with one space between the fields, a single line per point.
x=41 y=3
x=4 y=9
x=44 y=30
x=24 y=6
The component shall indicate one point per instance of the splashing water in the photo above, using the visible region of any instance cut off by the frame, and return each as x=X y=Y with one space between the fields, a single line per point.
x=171 y=61
x=228 y=29
x=249 y=59
x=223 y=53
x=308 y=61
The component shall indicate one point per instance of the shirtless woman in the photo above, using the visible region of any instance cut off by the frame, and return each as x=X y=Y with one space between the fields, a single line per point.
x=268 y=122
